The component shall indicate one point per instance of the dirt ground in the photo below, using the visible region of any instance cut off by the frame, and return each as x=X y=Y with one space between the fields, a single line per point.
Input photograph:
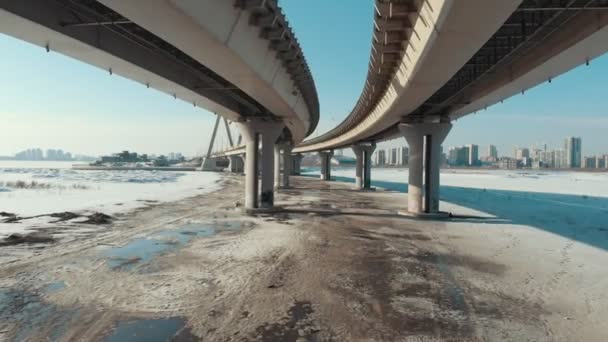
x=333 y=265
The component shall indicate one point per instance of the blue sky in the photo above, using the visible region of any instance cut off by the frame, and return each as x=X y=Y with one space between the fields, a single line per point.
x=51 y=101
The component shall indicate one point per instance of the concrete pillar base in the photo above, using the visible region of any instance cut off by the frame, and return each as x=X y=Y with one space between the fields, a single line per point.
x=254 y=132
x=277 y=165
x=363 y=170
x=326 y=164
x=297 y=164
x=257 y=211
x=440 y=215
x=236 y=164
x=209 y=164
x=424 y=140
x=287 y=166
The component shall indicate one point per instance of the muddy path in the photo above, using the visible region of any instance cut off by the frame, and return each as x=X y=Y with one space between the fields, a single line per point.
x=333 y=265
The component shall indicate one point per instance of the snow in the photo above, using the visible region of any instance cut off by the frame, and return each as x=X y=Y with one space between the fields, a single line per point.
x=571 y=205
x=556 y=182
x=109 y=192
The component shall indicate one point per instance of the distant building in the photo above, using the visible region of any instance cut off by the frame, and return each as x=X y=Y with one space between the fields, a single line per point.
x=590 y=162
x=600 y=162
x=573 y=148
x=174 y=156
x=30 y=154
x=458 y=156
x=400 y=156
x=473 y=155
x=521 y=153
x=463 y=156
x=380 y=158
x=133 y=157
x=560 y=159
x=492 y=152
x=391 y=156
x=507 y=163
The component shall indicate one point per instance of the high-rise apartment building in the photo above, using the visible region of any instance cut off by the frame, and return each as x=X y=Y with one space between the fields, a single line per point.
x=589 y=162
x=573 y=148
x=492 y=152
x=521 y=153
x=473 y=155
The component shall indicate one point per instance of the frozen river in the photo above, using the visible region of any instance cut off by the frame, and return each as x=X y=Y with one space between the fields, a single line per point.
x=38 y=188
x=573 y=205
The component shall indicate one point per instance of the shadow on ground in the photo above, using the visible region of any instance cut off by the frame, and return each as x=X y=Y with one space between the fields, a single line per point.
x=576 y=217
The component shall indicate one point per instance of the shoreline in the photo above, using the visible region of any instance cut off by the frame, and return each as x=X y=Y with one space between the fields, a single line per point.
x=132 y=168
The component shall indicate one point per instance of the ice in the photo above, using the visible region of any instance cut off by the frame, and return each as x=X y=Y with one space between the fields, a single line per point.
x=109 y=192
x=572 y=205
x=556 y=182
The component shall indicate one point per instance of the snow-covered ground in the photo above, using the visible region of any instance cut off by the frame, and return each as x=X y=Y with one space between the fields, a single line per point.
x=58 y=188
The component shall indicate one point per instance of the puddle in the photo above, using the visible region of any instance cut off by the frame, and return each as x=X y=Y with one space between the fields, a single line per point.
x=27 y=317
x=151 y=330
x=143 y=250
x=54 y=287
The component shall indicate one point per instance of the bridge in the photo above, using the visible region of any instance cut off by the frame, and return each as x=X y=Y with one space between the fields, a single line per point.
x=431 y=62
x=435 y=61
x=237 y=58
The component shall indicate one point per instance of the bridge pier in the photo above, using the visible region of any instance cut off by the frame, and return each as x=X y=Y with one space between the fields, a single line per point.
x=277 y=165
x=296 y=163
x=243 y=158
x=424 y=140
x=208 y=164
x=287 y=165
x=236 y=164
x=281 y=174
x=326 y=164
x=267 y=133
x=363 y=169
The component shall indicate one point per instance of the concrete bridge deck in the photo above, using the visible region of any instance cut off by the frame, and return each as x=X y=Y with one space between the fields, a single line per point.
x=334 y=264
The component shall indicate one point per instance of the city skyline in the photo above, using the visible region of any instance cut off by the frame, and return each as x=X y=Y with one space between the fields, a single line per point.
x=52 y=100
x=567 y=156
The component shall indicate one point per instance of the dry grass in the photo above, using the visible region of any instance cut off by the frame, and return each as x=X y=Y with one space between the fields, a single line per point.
x=40 y=185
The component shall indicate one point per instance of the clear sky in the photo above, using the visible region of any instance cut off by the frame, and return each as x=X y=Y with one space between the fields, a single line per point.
x=48 y=100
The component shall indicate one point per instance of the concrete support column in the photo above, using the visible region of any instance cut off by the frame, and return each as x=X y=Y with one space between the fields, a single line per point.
x=297 y=163
x=243 y=158
x=270 y=133
x=417 y=136
x=277 y=165
x=252 y=144
x=236 y=164
x=358 y=150
x=368 y=150
x=326 y=164
x=363 y=167
x=287 y=165
x=254 y=132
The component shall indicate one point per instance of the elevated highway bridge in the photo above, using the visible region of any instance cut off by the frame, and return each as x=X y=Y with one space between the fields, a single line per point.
x=435 y=61
x=431 y=62
x=237 y=58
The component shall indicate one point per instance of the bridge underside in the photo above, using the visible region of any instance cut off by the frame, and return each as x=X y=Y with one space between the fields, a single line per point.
x=93 y=26
x=538 y=41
